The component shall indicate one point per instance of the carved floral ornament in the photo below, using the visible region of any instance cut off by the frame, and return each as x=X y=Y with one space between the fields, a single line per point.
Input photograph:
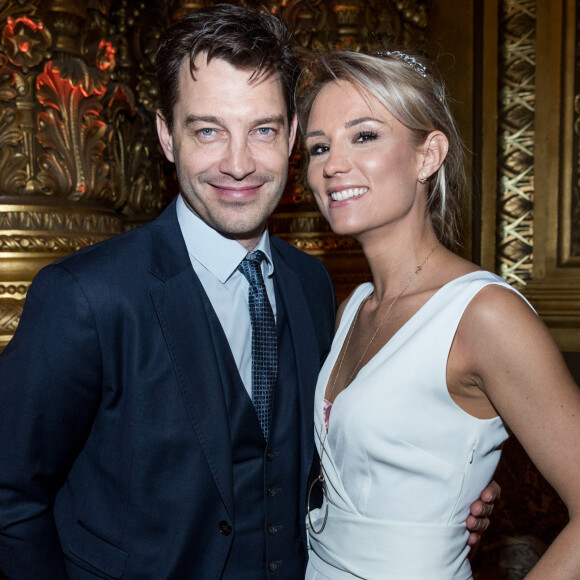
x=25 y=41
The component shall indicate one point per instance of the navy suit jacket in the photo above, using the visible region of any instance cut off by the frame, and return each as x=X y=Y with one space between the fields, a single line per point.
x=115 y=454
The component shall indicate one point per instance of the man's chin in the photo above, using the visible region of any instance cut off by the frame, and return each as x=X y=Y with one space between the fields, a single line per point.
x=238 y=221
x=243 y=235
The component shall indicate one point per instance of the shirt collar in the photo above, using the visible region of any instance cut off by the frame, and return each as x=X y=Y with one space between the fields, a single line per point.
x=218 y=254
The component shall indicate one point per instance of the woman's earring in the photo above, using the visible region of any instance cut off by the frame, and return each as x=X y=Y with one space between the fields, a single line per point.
x=423 y=178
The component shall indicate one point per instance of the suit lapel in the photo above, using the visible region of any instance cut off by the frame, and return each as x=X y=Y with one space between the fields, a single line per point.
x=182 y=315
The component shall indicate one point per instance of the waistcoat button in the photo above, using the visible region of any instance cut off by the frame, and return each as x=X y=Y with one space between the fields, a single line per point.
x=272 y=529
x=273 y=565
x=272 y=491
x=225 y=528
x=269 y=455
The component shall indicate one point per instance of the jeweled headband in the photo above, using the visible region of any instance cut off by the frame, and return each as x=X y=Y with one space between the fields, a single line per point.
x=407 y=59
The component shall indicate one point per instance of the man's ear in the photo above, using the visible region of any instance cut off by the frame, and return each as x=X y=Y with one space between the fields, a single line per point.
x=292 y=134
x=164 y=136
x=434 y=153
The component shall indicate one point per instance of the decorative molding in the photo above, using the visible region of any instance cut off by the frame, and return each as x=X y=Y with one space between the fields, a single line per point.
x=59 y=221
x=516 y=132
x=554 y=286
x=39 y=244
x=317 y=243
x=569 y=251
x=16 y=290
x=10 y=312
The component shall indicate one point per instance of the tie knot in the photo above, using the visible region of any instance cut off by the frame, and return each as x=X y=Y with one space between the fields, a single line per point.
x=256 y=256
x=251 y=269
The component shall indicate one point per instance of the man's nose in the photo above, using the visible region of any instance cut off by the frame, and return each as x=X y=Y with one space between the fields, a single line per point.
x=238 y=160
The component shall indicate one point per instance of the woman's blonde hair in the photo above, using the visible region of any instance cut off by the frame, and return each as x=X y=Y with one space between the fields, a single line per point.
x=418 y=100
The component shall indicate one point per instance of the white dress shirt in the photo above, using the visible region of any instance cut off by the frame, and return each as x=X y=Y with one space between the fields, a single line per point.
x=215 y=260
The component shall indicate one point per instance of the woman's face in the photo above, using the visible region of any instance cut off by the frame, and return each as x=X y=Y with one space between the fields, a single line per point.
x=362 y=169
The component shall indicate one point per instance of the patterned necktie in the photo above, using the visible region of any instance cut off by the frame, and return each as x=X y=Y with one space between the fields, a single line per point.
x=264 y=340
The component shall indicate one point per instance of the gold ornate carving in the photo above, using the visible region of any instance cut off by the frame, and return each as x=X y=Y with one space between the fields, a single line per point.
x=73 y=138
x=355 y=25
x=17 y=290
x=10 y=8
x=83 y=130
x=132 y=165
x=535 y=163
x=516 y=140
x=61 y=221
x=12 y=162
x=553 y=289
x=25 y=41
x=10 y=311
x=11 y=301
x=317 y=244
x=136 y=162
x=46 y=244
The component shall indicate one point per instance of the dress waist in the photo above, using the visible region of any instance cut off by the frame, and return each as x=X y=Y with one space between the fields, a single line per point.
x=377 y=549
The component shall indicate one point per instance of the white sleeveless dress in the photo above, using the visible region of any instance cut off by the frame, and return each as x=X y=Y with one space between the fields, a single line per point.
x=402 y=461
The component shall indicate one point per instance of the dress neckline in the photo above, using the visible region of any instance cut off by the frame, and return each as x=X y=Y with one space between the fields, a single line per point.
x=327 y=405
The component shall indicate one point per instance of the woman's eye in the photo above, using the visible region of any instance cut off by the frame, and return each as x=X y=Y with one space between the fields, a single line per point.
x=318 y=149
x=365 y=136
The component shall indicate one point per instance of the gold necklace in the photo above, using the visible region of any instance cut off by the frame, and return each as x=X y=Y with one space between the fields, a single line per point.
x=383 y=319
x=321 y=479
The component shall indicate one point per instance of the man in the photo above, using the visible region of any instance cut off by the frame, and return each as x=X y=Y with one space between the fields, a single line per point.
x=133 y=442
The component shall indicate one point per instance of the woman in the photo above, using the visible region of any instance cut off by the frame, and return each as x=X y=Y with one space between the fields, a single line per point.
x=435 y=358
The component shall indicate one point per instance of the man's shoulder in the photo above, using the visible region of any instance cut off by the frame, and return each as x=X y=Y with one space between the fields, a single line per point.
x=129 y=247
x=117 y=249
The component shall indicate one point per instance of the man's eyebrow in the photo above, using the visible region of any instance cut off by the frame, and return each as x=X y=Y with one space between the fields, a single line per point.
x=274 y=119
x=191 y=119
x=347 y=125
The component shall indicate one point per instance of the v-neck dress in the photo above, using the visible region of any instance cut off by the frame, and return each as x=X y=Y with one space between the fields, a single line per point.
x=402 y=461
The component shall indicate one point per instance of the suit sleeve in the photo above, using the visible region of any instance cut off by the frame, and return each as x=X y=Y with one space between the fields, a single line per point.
x=50 y=387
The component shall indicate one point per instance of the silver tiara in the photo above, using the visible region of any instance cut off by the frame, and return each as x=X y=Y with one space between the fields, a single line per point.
x=407 y=59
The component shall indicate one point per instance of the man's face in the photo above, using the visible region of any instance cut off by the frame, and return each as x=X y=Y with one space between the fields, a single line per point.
x=230 y=145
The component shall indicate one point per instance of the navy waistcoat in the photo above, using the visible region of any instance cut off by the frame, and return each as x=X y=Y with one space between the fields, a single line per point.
x=266 y=527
